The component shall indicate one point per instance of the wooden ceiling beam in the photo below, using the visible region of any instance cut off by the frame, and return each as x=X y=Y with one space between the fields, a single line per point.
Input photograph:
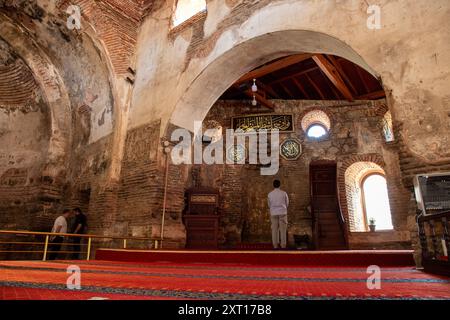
x=287 y=91
x=267 y=89
x=341 y=71
x=361 y=77
x=294 y=75
x=260 y=95
x=259 y=98
x=302 y=89
x=373 y=95
x=315 y=87
x=336 y=94
x=272 y=67
x=333 y=75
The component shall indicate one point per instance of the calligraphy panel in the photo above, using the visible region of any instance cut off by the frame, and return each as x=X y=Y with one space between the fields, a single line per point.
x=258 y=122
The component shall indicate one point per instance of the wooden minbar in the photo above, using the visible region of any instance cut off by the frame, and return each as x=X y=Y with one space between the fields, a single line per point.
x=201 y=218
x=434 y=239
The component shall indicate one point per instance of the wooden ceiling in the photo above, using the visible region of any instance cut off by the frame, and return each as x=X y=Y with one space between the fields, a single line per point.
x=307 y=77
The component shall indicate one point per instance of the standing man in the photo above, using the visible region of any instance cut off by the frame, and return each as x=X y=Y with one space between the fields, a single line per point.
x=278 y=204
x=60 y=226
x=80 y=227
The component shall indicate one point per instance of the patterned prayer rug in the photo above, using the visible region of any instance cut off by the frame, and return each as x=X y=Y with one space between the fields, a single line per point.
x=173 y=280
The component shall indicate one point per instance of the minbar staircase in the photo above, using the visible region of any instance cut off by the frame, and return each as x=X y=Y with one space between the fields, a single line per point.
x=328 y=224
x=330 y=235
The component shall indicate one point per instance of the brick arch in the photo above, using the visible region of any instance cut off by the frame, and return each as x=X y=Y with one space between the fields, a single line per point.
x=17 y=84
x=348 y=167
x=54 y=91
x=116 y=23
x=354 y=175
x=324 y=109
x=322 y=113
x=113 y=27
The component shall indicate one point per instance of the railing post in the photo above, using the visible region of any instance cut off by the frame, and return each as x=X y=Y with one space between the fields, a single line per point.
x=44 y=258
x=423 y=238
x=124 y=243
x=88 y=256
x=433 y=238
x=446 y=236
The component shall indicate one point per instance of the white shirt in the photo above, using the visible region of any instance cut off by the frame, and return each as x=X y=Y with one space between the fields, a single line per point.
x=278 y=202
x=60 y=221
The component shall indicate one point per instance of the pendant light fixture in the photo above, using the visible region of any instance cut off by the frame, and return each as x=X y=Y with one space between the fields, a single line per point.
x=254 y=90
x=254 y=103
x=254 y=86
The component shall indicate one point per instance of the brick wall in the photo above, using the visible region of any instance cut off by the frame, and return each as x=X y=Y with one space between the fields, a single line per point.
x=141 y=183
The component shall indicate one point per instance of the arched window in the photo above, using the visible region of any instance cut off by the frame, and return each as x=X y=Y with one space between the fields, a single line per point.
x=186 y=9
x=376 y=201
x=388 y=130
x=316 y=130
x=367 y=197
x=316 y=124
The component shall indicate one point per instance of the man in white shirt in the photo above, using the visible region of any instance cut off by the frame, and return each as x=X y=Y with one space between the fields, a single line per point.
x=278 y=203
x=60 y=226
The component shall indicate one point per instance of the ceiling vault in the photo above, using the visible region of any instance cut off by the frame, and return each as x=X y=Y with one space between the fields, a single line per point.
x=306 y=76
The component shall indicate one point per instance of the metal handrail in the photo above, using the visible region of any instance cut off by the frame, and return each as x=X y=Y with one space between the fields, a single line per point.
x=157 y=241
x=73 y=235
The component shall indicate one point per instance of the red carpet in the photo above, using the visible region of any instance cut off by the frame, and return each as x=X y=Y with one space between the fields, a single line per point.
x=176 y=280
x=286 y=258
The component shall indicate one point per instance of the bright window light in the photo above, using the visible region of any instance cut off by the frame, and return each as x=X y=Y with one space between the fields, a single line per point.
x=377 y=202
x=316 y=131
x=187 y=9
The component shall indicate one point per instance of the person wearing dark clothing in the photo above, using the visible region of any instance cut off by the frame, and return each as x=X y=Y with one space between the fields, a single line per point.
x=79 y=227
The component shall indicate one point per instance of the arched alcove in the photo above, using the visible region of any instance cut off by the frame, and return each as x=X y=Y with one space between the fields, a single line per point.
x=53 y=88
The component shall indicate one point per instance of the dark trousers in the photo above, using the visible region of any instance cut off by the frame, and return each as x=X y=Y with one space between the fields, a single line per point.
x=54 y=248
x=76 y=248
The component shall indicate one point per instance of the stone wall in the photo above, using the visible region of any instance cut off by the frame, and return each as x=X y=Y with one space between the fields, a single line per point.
x=355 y=136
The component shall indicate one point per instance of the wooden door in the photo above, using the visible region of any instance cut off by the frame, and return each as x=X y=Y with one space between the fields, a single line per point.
x=328 y=225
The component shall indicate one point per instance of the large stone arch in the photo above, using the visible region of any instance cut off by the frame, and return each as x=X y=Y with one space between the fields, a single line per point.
x=121 y=91
x=188 y=60
x=221 y=73
x=53 y=88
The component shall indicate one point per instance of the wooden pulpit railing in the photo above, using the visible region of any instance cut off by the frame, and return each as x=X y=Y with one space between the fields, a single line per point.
x=435 y=242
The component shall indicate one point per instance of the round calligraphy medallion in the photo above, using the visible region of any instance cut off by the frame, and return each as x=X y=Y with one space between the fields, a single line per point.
x=291 y=149
x=236 y=154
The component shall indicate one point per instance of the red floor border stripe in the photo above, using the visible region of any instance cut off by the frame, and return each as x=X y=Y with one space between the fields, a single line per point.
x=345 y=258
